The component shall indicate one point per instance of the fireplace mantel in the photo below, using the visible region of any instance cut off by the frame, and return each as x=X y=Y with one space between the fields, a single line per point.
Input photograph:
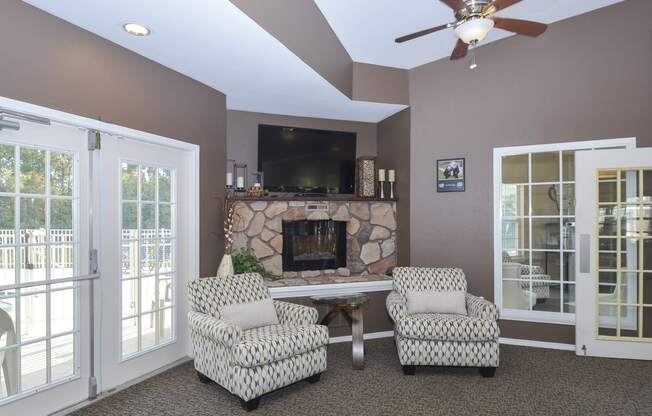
x=371 y=232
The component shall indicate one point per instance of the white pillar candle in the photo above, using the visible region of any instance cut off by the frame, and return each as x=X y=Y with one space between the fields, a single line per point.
x=229 y=179
x=381 y=175
x=240 y=182
x=391 y=175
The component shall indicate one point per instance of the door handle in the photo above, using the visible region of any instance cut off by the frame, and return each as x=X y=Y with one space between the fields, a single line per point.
x=585 y=253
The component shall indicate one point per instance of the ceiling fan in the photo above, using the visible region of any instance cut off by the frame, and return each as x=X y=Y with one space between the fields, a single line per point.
x=474 y=20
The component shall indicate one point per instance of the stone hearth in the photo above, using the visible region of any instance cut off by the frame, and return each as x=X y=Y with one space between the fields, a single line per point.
x=370 y=237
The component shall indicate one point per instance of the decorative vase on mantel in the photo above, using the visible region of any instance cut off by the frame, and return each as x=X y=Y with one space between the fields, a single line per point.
x=226 y=264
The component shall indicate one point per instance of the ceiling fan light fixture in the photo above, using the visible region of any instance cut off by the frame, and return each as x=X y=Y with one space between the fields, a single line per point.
x=474 y=30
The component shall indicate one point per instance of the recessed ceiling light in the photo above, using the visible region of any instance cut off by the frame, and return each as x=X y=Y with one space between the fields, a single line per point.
x=136 y=29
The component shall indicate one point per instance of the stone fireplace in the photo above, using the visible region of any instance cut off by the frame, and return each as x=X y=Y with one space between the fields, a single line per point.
x=308 y=239
x=313 y=245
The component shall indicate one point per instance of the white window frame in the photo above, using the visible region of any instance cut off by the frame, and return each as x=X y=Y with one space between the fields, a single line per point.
x=498 y=154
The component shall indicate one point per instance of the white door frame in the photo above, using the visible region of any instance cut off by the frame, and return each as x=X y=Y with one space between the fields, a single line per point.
x=145 y=137
x=587 y=165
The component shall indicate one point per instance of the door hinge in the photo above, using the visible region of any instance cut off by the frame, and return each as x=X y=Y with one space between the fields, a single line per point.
x=93 y=265
x=94 y=140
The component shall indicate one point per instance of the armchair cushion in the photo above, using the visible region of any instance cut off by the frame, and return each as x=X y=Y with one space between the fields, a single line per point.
x=446 y=327
x=213 y=328
x=272 y=343
x=435 y=301
x=251 y=314
x=294 y=314
x=481 y=308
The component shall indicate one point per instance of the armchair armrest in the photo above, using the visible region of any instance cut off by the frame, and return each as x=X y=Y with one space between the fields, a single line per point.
x=294 y=314
x=213 y=328
x=396 y=306
x=481 y=308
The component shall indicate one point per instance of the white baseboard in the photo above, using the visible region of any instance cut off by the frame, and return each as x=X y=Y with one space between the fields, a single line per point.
x=371 y=335
x=537 y=344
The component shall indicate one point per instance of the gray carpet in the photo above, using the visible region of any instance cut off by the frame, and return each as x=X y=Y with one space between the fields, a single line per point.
x=529 y=382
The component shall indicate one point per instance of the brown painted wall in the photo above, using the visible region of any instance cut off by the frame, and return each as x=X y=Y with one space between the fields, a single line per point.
x=49 y=62
x=302 y=27
x=380 y=84
x=394 y=153
x=242 y=133
x=585 y=78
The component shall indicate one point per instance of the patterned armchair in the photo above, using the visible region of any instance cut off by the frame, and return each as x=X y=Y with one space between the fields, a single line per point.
x=442 y=339
x=256 y=361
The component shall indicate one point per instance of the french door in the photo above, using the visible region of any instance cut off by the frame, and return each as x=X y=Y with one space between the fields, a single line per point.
x=614 y=236
x=44 y=246
x=146 y=253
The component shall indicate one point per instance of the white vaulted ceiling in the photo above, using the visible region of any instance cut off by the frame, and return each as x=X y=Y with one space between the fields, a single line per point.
x=217 y=44
x=367 y=28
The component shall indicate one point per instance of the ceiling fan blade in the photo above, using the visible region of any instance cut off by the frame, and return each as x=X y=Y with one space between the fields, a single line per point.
x=421 y=33
x=454 y=4
x=460 y=50
x=503 y=4
x=522 y=27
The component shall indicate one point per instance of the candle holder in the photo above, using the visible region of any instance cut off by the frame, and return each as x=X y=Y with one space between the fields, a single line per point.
x=240 y=173
x=230 y=175
x=391 y=190
x=382 y=189
x=391 y=176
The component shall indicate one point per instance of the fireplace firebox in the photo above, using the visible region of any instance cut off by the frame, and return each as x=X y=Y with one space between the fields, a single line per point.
x=314 y=245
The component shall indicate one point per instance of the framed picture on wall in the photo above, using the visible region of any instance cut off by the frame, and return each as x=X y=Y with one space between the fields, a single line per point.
x=451 y=175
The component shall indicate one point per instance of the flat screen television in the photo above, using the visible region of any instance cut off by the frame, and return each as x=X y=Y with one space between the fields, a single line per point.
x=306 y=160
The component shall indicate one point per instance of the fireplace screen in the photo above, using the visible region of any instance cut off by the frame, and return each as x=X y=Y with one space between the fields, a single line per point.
x=314 y=245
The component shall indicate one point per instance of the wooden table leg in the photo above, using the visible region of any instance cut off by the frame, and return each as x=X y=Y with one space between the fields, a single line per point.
x=357 y=332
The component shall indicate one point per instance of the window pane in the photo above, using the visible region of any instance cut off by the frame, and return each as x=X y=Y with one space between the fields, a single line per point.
x=569 y=298
x=568 y=164
x=148 y=257
x=129 y=259
x=8 y=305
x=607 y=186
x=629 y=186
x=129 y=297
x=569 y=199
x=545 y=167
x=62 y=260
x=516 y=294
x=647 y=322
x=607 y=320
x=148 y=330
x=7 y=168
x=63 y=358
x=629 y=321
x=7 y=220
x=515 y=169
x=61 y=173
x=148 y=220
x=129 y=220
x=607 y=221
x=647 y=183
x=61 y=215
x=164 y=185
x=32 y=317
x=545 y=200
x=568 y=225
x=629 y=283
x=545 y=233
x=32 y=171
x=165 y=325
x=7 y=266
x=148 y=293
x=129 y=181
x=629 y=253
x=165 y=251
x=165 y=292
x=569 y=267
x=33 y=264
x=62 y=311
x=147 y=184
x=607 y=287
x=130 y=336
x=631 y=220
x=32 y=220
x=164 y=220
x=516 y=234
x=647 y=289
x=548 y=296
x=33 y=365
x=547 y=263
